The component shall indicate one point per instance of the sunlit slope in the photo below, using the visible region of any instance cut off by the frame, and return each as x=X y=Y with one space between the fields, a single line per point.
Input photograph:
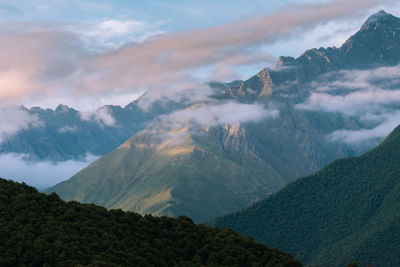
x=174 y=172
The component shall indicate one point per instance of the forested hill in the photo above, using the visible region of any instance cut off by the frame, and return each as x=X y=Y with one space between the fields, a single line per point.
x=42 y=230
x=348 y=211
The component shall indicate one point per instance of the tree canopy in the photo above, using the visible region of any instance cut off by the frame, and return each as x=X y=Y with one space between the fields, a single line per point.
x=40 y=230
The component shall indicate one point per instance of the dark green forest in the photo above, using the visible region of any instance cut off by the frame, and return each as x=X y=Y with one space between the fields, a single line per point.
x=348 y=211
x=42 y=230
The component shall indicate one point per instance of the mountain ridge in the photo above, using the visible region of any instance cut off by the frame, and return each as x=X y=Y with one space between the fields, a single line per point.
x=360 y=51
x=350 y=207
x=157 y=171
x=65 y=133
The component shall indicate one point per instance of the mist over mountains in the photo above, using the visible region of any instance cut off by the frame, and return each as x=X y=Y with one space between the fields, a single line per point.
x=65 y=133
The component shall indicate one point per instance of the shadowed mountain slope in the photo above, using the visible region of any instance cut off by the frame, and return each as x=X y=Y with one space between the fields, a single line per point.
x=348 y=211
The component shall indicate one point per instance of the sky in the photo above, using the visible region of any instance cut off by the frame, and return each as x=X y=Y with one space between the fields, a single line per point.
x=89 y=53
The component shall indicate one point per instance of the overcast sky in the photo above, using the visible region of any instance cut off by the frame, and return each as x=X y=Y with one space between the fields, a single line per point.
x=89 y=53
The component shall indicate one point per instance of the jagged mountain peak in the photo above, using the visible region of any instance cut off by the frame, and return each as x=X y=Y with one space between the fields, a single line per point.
x=284 y=61
x=62 y=108
x=376 y=43
x=379 y=18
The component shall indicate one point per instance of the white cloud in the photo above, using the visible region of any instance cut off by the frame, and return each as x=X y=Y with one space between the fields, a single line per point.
x=120 y=27
x=15 y=119
x=356 y=92
x=67 y=128
x=355 y=103
x=112 y=34
x=358 y=136
x=42 y=174
x=101 y=115
x=219 y=114
x=372 y=96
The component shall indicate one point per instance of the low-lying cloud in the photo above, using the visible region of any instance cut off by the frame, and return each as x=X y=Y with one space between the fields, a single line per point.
x=41 y=174
x=101 y=115
x=372 y=96
x=14 y=119
x=357 y=136
x=230 y=113
x=355 y=92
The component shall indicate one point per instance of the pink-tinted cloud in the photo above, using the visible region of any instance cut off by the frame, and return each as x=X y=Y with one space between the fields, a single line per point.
x=46 y=61
x=35 y=64
x=162 y=61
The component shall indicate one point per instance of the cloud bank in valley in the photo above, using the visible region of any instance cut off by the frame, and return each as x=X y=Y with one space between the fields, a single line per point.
x=389 y=122
x=43 y=61
x=373 y=96
x=42 y=174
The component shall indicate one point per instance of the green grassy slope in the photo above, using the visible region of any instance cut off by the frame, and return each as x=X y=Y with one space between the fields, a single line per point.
x=181 y=173
x=42 y=230
x=348 y=211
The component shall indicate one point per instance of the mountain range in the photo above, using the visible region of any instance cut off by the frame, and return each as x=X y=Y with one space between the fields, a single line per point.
x=65 y=133
x=209 y=170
